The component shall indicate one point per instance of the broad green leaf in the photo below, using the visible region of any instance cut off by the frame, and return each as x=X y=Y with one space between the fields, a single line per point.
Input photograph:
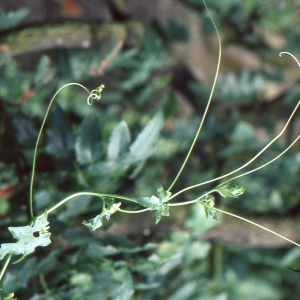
x=141 y=148
x=108 y=169
x=119 y=141
x=59 y=137
x=126 y=290
x=88 y=147
x=96 y=222
x=27 y=242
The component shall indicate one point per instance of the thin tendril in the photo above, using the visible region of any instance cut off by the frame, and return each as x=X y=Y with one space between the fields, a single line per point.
x=5 y=265
x=133 y=211
x=208 y=102
x=253 y=223
x=288 y=53
x=245 y=165
x=264 y=165
x=95 y=94
x=61 y=202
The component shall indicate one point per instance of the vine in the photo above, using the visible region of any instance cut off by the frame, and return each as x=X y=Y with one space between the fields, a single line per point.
x=27 y=241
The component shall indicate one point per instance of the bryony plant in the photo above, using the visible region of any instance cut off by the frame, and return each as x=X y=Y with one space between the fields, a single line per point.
x=37 y=232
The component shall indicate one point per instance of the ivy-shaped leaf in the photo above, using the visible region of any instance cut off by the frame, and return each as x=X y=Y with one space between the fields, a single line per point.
x=160 y=203
x=96 y=222
x=229 y=190
x=27 y=242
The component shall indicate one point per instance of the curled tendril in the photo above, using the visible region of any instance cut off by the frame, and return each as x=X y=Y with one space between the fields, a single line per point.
x=95 y=94
x=288 y=53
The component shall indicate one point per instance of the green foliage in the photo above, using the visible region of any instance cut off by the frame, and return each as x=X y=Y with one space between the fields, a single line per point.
x=89 y=148
x=27 y=242
x=109 y=207
x=159 y=204
x=11 y=19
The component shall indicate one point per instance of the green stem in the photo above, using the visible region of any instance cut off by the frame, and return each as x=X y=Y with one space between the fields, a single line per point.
x=208 y=102
x=37 y=143
x=251 y=222
x=249 y=162
x=264 y=165
x=133 y=211
x=5 y=266
x=61 y=202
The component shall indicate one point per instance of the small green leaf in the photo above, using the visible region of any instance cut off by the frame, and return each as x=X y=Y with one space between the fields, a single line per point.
x=88 y=147
x=27 y=242
x=210 y=212
x=141 y=148
x=229 y=190
x=96 y=222
x=118 y=142
x=208 y=203
x=155 y=203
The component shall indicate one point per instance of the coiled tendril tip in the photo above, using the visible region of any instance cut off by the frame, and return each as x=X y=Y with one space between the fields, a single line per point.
x=95 y=94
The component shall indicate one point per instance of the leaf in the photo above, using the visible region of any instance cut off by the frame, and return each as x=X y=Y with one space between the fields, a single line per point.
x=11 y=19
x=45 y=73
x=5 y=296
x=178 y=31
x=155 y=203
x=59 y=137
x=88 y=147
x=229 y=190
x=119 y=141
x=96 y=222
x=161 y=193
x=141 y=148
x=27 y=242
x=208 y=201
x=126 y=290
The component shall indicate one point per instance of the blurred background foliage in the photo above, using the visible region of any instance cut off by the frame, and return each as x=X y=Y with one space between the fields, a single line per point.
x=134 y=49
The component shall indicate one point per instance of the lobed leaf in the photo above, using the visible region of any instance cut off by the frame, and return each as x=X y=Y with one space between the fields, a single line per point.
x=27 y=242
x=155 y=203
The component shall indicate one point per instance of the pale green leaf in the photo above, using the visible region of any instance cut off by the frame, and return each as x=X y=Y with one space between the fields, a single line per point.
x=118 y=142
x=155 y=203
x=229 y=190
x=96 y=222
x=141 y=148
x=27 y=242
